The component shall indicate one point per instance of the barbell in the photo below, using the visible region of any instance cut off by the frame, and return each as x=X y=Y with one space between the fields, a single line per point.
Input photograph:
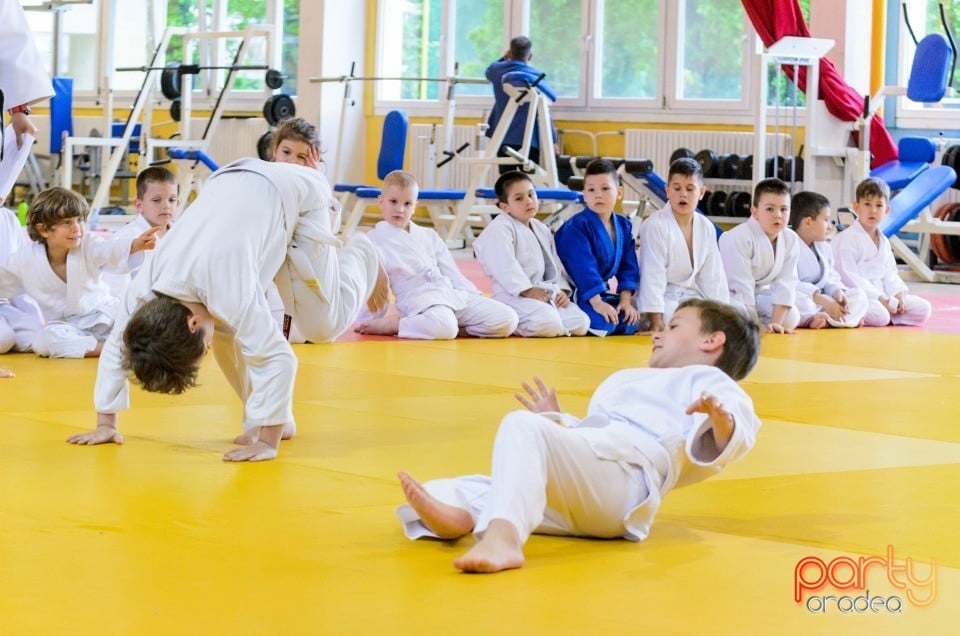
x=276 y=108
x=171 y=74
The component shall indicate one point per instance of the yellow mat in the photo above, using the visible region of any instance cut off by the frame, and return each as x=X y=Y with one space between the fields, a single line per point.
x=860 y=450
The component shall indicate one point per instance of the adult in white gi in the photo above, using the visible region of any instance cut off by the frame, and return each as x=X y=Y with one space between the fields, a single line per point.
x=868 y=264
x=23 y=76
x=517 y=251
x=760 y=260
x=253 y=222
x=434 y=299
x=646 y=432
x=20 y=318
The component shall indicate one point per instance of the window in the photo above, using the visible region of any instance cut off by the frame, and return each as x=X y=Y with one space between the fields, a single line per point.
x=924 y=16
x=629 y=62
x=72 y=52
x=80 y=49
x=557 y=46
x=599 y=56
x=478 y=40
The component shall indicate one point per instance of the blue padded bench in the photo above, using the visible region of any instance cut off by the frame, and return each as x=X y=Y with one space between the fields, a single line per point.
x=916 y=196
x=916 y=155
x=434 y=200
x=567 y=199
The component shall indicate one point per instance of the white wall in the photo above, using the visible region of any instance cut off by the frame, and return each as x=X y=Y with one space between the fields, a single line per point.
x=848 y=23
x=341 y=27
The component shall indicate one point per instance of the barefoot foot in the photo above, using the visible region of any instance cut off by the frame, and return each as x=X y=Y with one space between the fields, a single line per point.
x=386 y=326
x=444 y=520
x=498 y=550
x=5 y=373
x=289 y=430
x=248 y=437
x=380 y=296
x=819 y=321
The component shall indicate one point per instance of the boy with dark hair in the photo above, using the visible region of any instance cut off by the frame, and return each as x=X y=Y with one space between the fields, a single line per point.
x=517 y=251
x=679 y=258
x=760 y=259
x=821 y=297
x=62 y=272
x=646 y=432
x=595 y=246
x=253 y=222
x=865 y=260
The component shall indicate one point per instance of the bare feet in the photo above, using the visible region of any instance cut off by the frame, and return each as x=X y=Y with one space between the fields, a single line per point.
x=380 y=296
x=498 y=550
x=386 y=326
x=5 y=373
x=251 y=436
x=444 y=520
x=819 y=321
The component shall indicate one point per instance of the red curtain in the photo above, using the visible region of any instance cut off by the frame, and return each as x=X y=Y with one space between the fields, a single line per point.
x=774 y=19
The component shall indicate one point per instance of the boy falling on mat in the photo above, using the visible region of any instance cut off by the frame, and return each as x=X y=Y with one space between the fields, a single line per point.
x=253 y=222
x=646 y=432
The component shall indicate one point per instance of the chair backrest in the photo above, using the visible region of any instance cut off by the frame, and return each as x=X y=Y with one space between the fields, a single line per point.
x=393 y=143
x=918 y=149
x=61 y=112
x=931 y=69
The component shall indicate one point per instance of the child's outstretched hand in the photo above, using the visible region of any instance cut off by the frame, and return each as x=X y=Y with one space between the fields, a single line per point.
x=146 y=241
x=541 y=398
x=5 y=373
x=719 y=416
x=100 y=435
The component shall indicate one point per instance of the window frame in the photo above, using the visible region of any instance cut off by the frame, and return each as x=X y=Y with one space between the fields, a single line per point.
x=107 y=59
x=667 y=105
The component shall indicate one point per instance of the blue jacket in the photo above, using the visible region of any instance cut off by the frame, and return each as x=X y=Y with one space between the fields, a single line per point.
x=591 y=258
x=495 y=73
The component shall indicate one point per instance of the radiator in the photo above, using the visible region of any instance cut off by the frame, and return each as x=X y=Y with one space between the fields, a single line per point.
x=454 y=174
x=658 y=145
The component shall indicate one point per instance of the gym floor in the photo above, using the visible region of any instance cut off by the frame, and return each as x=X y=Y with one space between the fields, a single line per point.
x=859 y=457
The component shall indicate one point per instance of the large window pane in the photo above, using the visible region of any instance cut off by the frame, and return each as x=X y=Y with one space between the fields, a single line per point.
x=412 y=50
x=41 y=24
x=131 y=47
x=243 y=13
x=713 y=35
x=629 y=58
x=557 y=49
x=479 y=40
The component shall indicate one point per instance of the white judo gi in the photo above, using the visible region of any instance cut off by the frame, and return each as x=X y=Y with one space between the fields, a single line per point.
x=817 y=274
x=603 y=476
x=118 y=282
x=758 y=276
x=78 y=313
x=518 y=257
x=433 y=297
x=20 y=318
x=252 y=223
x=865 y=265
x=668 y=275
